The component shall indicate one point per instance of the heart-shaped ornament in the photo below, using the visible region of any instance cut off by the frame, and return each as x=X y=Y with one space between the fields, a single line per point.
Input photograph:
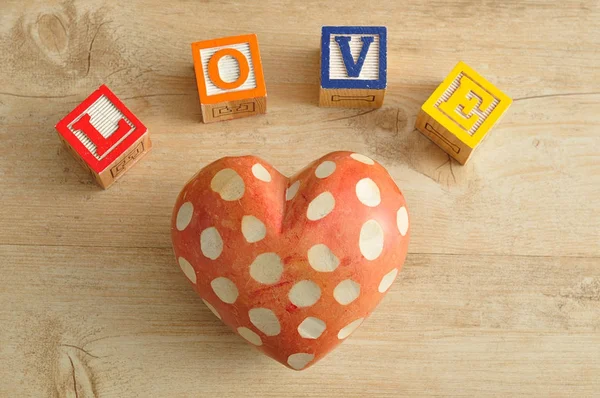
x=293 y=265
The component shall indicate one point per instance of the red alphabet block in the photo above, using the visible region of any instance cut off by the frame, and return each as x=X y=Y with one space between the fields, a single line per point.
x=104 y=136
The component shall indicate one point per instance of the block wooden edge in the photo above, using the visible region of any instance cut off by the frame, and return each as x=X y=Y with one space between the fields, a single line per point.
x=443 y=138
x=233 y=109
x=77 y=158
x=120 y=165
x=351 y=98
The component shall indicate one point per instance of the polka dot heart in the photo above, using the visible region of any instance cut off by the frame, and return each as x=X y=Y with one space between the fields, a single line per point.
x=295 y=265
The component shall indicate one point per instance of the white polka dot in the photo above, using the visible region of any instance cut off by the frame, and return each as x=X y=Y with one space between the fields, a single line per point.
x=210 y=307
x=387 y=280
x=300 y=360
x=253 y=229
x=261 y=173
x=187 y=269
x=402 y=220
x=371 y=240
x=346 y=292
x=311 y=328
x=249 y=335
x=304 y=294
x=266 y=268
x=211 y=243
x=228 y=184
x=292 y=191
x=368 y=192
x=362 y=158
x=349 y=328
x=265 y=320
x=320 y=206
x=322 y=259
x=184 y=216
x=325 y=169
x=225 y=289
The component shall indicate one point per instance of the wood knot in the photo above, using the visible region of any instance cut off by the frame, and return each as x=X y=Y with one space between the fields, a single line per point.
x=73 y=377
x=60 y=43
x=52 y=33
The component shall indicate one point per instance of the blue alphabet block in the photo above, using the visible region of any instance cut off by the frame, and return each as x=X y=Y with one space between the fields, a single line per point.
x=353 y=66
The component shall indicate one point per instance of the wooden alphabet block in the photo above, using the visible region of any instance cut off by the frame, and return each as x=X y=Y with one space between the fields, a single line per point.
x=353 y=66
x=104 y=136
x=230 y=78
x=461 y=111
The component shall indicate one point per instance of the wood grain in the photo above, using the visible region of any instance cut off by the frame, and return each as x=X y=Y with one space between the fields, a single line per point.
x=500 y=295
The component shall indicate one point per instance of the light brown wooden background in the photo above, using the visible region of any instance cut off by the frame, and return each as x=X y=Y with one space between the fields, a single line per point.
x=500 y=294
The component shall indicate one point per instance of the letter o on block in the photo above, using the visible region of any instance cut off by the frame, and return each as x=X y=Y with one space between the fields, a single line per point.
x=230 y=78
x=215 y=75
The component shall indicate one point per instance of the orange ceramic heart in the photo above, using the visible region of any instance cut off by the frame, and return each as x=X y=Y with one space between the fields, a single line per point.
x=293 y=265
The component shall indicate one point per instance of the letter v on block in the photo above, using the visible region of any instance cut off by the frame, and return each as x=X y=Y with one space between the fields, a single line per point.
x=349 y=82
x=353 y=68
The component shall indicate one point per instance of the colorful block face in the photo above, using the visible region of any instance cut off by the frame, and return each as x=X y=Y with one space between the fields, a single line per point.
x=354 y=57
x=229 y=69
x=101 y=130
x=466 y=104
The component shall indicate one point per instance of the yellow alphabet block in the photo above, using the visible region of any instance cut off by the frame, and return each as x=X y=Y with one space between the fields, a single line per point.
x=461 y=111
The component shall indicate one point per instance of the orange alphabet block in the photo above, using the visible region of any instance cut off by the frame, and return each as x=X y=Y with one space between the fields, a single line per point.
x=230 y=78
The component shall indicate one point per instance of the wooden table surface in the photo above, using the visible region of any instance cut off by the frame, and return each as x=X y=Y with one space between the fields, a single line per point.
x=500 y=293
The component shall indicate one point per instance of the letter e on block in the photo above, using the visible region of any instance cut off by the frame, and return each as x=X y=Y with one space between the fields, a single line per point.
x=104 y=136
x=461 y=111
x=230 y=78
x=353 y=66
